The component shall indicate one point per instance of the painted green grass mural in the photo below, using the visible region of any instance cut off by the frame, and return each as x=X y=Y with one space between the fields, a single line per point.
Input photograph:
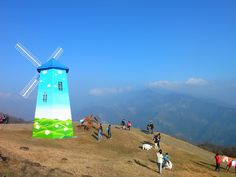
x=52 y=128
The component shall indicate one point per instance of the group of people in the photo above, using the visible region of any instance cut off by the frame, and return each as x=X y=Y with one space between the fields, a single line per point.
x=101 y=133
x=230 y=162
x=3 y=119
x=125 y=126
x=108 y=129
x=162 y=160
x=150 y=127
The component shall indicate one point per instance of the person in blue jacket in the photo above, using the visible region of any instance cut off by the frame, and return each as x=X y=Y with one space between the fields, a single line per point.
x=165 y=159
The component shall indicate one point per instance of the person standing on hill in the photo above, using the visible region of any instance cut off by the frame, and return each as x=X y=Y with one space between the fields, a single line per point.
x=151 y=127
x=129 y=125
x=218 y=161
x=123 y=124
x=159 y=161
x=100 y=132
x=148 y=127
x=157 y=139
x=109 y=131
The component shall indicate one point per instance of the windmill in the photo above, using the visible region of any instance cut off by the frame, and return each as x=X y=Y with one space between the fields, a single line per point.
x=53 y=114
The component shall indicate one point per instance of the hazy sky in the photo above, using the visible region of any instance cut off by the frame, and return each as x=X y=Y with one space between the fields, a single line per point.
x=116 y=46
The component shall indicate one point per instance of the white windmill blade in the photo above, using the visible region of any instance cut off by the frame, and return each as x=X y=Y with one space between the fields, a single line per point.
x=57 y=53
x=30 y=86
x=28 y=54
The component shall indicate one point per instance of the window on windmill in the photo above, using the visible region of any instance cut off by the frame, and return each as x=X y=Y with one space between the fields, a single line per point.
x=45 y=97
x=60 y=87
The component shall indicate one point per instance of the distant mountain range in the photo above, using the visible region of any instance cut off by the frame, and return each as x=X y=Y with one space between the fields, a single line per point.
x=196 y=120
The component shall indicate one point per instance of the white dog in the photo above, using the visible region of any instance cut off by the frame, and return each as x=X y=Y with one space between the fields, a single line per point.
x=146 y=147
x=168 y=165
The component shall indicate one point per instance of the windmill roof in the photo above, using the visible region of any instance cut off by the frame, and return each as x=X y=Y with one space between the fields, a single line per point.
x=52 y=64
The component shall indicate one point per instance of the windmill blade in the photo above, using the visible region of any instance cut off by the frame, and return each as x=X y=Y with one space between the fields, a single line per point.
x=28 y=55
x=57 y=53
x=30 y=86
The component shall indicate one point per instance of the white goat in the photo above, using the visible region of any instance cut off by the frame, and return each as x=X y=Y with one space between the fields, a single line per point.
x=146 y=147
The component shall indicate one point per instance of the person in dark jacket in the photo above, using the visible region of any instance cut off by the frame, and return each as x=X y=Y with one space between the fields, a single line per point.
x=157 y=139
x=109 y=131
x=123 y=124
x=151 y=127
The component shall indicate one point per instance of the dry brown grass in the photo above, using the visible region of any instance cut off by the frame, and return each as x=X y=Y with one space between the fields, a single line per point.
x=85 y=157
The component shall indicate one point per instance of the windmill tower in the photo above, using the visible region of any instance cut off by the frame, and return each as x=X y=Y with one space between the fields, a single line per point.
x=53 y=114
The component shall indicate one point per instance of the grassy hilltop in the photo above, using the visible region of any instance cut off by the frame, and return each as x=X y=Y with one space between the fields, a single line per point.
x=85 y=157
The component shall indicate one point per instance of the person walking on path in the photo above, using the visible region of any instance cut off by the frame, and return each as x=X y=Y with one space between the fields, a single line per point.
x=157 y=139
x=109 y=131
x=100 y=132
x=159 y=161
x=218 y=161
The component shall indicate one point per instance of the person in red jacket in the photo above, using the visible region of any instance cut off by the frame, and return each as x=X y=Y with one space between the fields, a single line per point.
x=129 y=125
x=218 y=161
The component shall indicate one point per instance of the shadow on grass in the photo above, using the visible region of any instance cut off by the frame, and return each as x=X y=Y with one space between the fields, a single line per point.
x=144 y=131
x=153 y=161
x=104 y=134
x=207 y=165
x=94 y=135
x=147 y=142
x=143 y=165
x=147 y=132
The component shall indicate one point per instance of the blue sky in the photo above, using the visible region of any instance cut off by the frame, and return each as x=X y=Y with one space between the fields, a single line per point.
x=117 y=46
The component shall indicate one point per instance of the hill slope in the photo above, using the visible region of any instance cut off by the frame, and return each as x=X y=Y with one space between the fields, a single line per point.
x=85 y=157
